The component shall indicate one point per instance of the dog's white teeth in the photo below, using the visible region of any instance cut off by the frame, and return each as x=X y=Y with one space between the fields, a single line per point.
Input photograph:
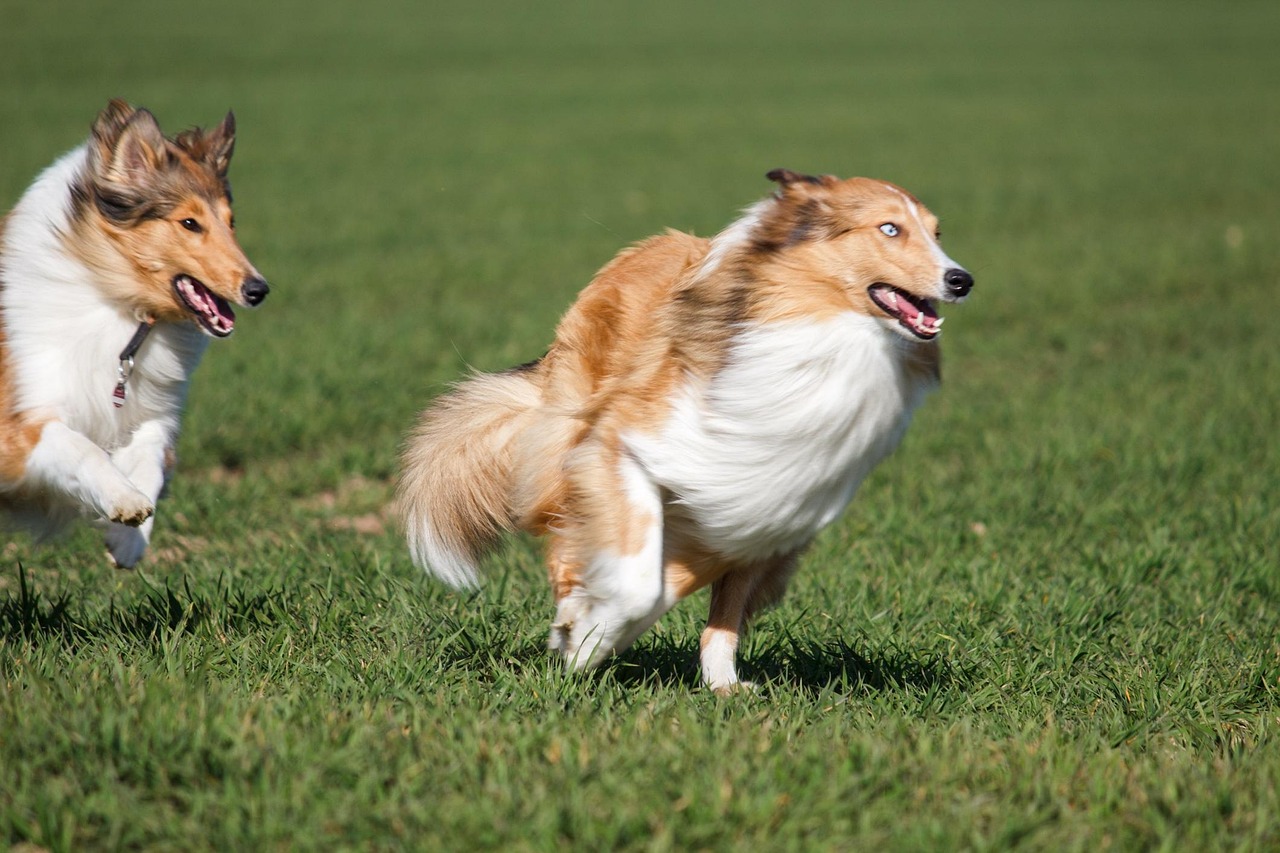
x=893 y=298
x=937 y=324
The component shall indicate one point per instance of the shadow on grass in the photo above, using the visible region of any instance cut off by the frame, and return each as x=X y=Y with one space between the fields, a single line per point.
x=158 y=612
x=800 y=664
x=814 y=665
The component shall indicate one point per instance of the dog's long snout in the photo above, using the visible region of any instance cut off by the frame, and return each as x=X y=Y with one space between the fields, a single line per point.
x=254 y=290
x=958 y=282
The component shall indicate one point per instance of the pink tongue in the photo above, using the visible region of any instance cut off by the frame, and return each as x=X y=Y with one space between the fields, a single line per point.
x=212 y=308
x=925 y=321
x=223 y=314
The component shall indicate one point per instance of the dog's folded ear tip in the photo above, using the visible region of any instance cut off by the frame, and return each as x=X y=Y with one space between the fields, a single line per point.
x=786 y=177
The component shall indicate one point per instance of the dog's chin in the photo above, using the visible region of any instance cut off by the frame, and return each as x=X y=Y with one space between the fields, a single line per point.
x=914 y=317
x=212 y=313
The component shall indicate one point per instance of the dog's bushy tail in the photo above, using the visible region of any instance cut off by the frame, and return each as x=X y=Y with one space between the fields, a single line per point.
x=456 y=483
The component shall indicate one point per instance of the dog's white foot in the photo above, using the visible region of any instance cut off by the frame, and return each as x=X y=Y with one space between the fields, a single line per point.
x=735 y=688
x=576 y=632
x=126 y=545
x=587 y=632
x=719 y=673
x=130 y=510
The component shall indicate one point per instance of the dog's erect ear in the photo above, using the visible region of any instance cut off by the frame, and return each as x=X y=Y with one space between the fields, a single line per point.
x=786 y=177
x=111 y=121
x=222 y=143
x=127 y=150
x=797 y=214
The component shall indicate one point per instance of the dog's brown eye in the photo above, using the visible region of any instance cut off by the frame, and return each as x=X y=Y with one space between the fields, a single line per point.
x=889 y=229
x=191 y=225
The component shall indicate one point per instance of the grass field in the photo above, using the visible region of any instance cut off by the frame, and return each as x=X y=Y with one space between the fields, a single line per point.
x=1050 y=621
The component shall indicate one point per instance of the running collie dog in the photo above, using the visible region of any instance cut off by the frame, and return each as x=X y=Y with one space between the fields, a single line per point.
x=116 y=268
x=706 y=408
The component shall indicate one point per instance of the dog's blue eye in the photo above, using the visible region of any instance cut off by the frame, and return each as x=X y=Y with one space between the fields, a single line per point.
x=889 y=229
x=191 y=225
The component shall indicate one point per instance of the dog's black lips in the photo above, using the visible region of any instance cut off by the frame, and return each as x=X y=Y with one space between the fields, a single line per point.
x=916 y=315
x=211 y=311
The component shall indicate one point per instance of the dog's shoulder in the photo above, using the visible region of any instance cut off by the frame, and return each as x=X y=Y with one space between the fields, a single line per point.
x=617 y=310
x=643 y=275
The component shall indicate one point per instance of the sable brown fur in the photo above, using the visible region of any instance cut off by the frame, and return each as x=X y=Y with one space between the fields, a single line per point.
x=547 y=448
x=136 y=185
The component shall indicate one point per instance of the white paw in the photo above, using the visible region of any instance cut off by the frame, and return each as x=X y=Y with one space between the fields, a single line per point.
x=734 y=688
x=125 y=545
x=569 y=610
x=589 y=629
x=131 y=510
x=578 y=633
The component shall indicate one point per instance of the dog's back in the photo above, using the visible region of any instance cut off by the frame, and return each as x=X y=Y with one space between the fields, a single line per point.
x=488 y=455
x=609 y=332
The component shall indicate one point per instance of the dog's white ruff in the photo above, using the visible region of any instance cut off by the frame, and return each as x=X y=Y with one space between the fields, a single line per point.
x=776 y=445
x=64 y=338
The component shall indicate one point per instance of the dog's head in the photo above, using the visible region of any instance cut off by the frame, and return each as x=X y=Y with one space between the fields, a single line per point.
x=874 y=240
x=155 y=214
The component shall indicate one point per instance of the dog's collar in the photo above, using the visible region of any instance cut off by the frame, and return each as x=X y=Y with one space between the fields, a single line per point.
x=125 y=369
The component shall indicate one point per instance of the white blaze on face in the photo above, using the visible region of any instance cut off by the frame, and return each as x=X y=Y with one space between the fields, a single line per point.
x=942 y=258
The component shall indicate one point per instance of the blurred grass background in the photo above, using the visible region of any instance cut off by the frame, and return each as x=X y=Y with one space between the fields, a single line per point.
x=1049 y=620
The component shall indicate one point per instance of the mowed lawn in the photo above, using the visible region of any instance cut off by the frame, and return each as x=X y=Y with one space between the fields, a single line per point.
x=1050 y=621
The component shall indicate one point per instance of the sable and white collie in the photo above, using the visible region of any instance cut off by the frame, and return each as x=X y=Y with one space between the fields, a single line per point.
x=706 y=408
x=129 y=234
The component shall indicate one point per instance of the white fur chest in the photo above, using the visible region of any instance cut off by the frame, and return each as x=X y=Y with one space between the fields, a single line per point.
x=67 y=367
x=63 y=337
x=775 y=447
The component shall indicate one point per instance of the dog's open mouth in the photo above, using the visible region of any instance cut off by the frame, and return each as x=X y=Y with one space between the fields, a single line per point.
x=211 y=311
x=914 y=314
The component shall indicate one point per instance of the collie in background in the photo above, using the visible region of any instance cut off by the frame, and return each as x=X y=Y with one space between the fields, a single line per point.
x=116 y=268
x=706 y=408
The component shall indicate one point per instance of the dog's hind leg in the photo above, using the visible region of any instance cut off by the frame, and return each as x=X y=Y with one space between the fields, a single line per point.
x=608 y=564
x=67 y=464
x=144 y=460
x=736 y=596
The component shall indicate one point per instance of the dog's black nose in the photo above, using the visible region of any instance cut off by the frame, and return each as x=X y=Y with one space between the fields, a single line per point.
x=959 y=282
x=254 y=291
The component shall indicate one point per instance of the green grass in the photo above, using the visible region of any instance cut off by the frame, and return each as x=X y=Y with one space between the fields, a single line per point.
x=1049 y=621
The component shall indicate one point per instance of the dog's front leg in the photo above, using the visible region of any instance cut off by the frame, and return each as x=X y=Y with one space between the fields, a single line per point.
x=66 y=464
x=729 y=596
x=142 y=460
x=736 y=596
